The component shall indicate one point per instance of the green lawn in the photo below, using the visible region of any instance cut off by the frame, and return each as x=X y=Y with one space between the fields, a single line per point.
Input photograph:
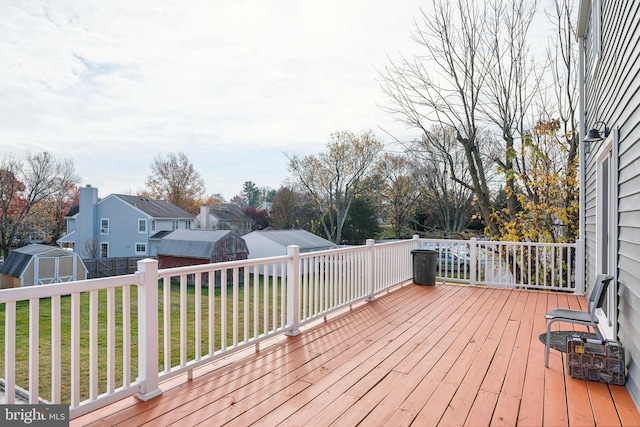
x=22 y=329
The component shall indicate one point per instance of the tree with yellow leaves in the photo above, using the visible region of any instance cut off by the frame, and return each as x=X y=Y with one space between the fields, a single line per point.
x=547 y=179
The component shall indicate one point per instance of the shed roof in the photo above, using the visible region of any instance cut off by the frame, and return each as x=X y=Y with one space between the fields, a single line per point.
x=19 y=258
x=302 y=238
x=191 y=243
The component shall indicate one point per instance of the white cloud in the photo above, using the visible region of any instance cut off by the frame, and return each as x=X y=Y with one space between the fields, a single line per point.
x=232 y=83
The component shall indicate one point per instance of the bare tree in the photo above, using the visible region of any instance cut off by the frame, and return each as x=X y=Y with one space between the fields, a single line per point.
x=332 y=178
x=513 y=84
x=26 y=182
x=449 y=202
x=91 y=248
x=174 y=178
x=443 y=86
x=563 y=57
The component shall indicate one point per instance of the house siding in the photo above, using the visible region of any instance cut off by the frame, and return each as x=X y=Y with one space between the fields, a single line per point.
x=123 y=226
x=124 y=214
x=613 y=96
x=168 y=261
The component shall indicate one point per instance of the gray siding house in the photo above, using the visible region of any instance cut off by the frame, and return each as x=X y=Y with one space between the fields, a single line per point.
x=121 y=225
x=609 y=47
x=226 y=217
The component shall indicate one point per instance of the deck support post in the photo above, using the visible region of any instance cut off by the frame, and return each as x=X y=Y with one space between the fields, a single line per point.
x=579 y=266
x=473 y=261
x=371 y=259
x=293 y=291
x=148 y=330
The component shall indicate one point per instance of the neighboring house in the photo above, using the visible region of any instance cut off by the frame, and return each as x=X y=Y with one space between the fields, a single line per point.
x=226 y=217
x=192 y=247
x=37 y=264
x=609 y=39
x=268 y=243
x=121 y=225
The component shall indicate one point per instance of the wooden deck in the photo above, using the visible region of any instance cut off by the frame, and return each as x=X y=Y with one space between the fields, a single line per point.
x=425 y=356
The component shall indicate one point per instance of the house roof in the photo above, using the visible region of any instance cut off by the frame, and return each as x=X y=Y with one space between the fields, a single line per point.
x=229 y=213
x=302 y=238
x=19 y=258
x=161 y=234
x=191 y=243
x=73 y=211
x=69 y=237
x=155 y=208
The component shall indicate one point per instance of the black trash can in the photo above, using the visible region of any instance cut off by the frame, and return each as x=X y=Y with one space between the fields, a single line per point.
x=424 y=266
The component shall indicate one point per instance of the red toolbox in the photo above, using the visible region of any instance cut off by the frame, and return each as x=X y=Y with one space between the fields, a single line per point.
x=595 y=360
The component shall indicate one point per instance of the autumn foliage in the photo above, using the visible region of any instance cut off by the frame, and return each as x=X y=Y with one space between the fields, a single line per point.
x=546 y=188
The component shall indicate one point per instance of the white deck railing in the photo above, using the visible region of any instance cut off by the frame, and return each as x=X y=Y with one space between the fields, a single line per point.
x=550 y=266
x=120 y=336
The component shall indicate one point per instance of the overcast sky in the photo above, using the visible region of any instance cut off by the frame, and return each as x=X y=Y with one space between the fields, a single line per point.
x=234 y=84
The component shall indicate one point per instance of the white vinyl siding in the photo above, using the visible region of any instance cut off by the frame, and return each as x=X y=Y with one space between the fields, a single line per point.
x=612 y=95
x=596 y=35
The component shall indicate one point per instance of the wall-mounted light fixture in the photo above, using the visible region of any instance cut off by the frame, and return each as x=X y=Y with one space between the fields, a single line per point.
x=594 y=136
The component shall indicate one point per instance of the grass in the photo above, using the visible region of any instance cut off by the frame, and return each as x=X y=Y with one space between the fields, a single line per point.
x=22 y=332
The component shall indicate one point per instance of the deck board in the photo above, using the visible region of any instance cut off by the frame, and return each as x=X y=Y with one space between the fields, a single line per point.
x=447 y=355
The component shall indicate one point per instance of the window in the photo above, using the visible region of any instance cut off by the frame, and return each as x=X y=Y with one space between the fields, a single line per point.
x=153 y=225
x=187 y=224
x=596 y=34
x=104 y=250
x=174 y=224
x=141 y=248
x=142 y=225
x=104 y=225
x=606 y=229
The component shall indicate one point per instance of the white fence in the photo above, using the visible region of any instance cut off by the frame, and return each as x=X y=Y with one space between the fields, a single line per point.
x=115 y=337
